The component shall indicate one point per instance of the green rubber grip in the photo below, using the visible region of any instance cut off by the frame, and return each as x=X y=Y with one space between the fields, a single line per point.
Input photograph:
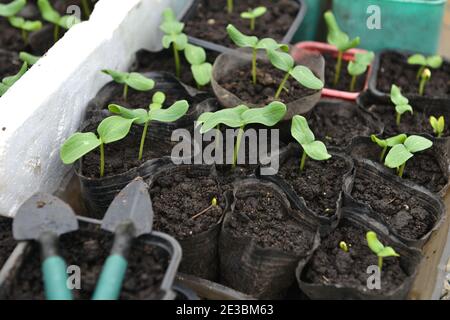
x=111 y=278
x=54 y=270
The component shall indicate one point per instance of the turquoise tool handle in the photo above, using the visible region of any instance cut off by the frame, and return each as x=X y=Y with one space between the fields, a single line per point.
x=111 y=278
x=55 y=279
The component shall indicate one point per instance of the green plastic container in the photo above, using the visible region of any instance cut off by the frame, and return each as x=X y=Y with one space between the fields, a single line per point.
x=310 y=27
x=413 y=25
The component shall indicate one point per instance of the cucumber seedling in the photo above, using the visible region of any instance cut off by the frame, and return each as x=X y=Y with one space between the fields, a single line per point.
x=438 y=125
x=201 y=69
x=134 y=80
x=359 y=66
x=312 y=148
x=9 y=81
x=110 y=130
x=253 y=14
x=424 y=78
x=401 y=153
x=388 y=143
x=245 y=41
x=25 y=26
x=154 y=113
x=28 y=58
x=434 y=62
x=49 y=14
x=379 y=249
x=240 y=117
x=401 y=103
x=340 y=40
x=303 y=75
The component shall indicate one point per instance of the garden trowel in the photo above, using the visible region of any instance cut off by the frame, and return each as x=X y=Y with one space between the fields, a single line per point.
x=45 y=218
x=129 y=216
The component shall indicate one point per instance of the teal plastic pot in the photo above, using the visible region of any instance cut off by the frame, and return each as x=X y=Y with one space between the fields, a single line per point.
x=309 y=29
x=413 y=25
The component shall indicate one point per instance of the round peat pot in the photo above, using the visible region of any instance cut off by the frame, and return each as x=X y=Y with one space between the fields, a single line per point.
x=9 y=63
x=262 y=241
x=232 y=84
x=330 y=53
x=152 y=265
x=429 y=169
x=182 y=203
x=411 y=213
x=332 y=273
x=318 y=191
x=206 y=21
x=391 y=67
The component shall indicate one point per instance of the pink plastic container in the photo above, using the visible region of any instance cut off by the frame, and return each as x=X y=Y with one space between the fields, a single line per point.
x=348 y=56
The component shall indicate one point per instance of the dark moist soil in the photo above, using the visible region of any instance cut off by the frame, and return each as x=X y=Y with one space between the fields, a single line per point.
x=239 y=82
x=319 y=184
x=262 y=217
x=410 y=123
x=330 y=265
x=9 y=65
x=89 y=249
x=399 y=208
x=7 y=242
x=394 y=69
x=177 y=197
x=210 y=19
x=10 y=38
x=345 y=78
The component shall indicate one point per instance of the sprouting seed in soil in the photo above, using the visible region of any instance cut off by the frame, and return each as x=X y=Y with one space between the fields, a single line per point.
x=8 y=10
x=340 y=40
x=29 y=58
x=173 y=36
x=201 y=69
x=25 y=26
x=253 y=14
x=134 y=80
x=401 y=153
x=359 y=66
x=434 y=62
x=245 y=41
x=379 y=249
x=155 y=112
x=230 y=6
x=240 y=117
x=401 y=103
x=385 y=144
x=213 y=204
x=343 y=245
x=110 y=130
x=438 y=125
x=9 y=81
x=49 y=14
x=424 y=78
x=312 y=148
x=303 y=75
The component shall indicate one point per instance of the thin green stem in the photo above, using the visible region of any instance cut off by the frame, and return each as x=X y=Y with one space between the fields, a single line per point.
x=125 y=92
x=422 y=85
x=230 y=6
x=380 y=263
x=337 y=74
x=303 y=161
x=102 y=160
x=440 y=135
x=176 y=55
x=144 y=135
x=238 y=146
x=398 y=119
x=353 y=84
x=383 y=153
x=25 y=36
x=252 y=24
x=56 y=33
x=280 y=89
x=86 y=8
x=401 y=170
x=254 y=65
x=419 y=73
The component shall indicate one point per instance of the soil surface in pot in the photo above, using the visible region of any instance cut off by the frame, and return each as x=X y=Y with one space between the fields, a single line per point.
x=330 y=265
x=239 y=82
x=410 y=123
x=89 y=249
x=345 y=78
x=397 y=206
x=7 y=242
x=319 y=184
x=10 y=37
x=394 y=69
x=262 y=217
x=9 y=65
x=178 y=196
x=210 y=19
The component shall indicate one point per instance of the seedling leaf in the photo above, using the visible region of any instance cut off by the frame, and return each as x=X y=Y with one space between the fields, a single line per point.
x=336 y=36
x=12 y=8
x=28 y=58
x=374 y=244
x=195 y=55
x=202 y=73
x=306 y=78
x=140 y=115
x=396 y=96
x=240 y=39
x=229 y=117
x=281 y=60
x=397 y=156
x=300 y=130
x=417 y=59
x=416 y=144
x=26 y=25
x=139 y=82
x=268 y=116
x=77 y=146
x=8 y=82
x=388 y=252
x=438 y=125
x=316 y=150
x=171 y=114
x=114 y=128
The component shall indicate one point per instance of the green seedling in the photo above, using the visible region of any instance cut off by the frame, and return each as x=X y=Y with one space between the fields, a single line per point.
x=134 y=80
x=424 y=78
x=340 y=40
x=173 y=36
x=230 y=6
x=25 y=26
x=110 y=130
x=213 y=204
x=201 y=69
x=303 y=75
x=244 y=41
x=343 y=245
x=8 y=82
x=438 y=125
x=240 y=117
x=388 y=143
x=401 y=153
x=379 y=249
x=51 y=15
x=312 y=148
x=434 y=62
x=359 y=66
x=155 y=113
x=253 y=14
x=28 y=58
x=401 y=103
x=11 y=9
